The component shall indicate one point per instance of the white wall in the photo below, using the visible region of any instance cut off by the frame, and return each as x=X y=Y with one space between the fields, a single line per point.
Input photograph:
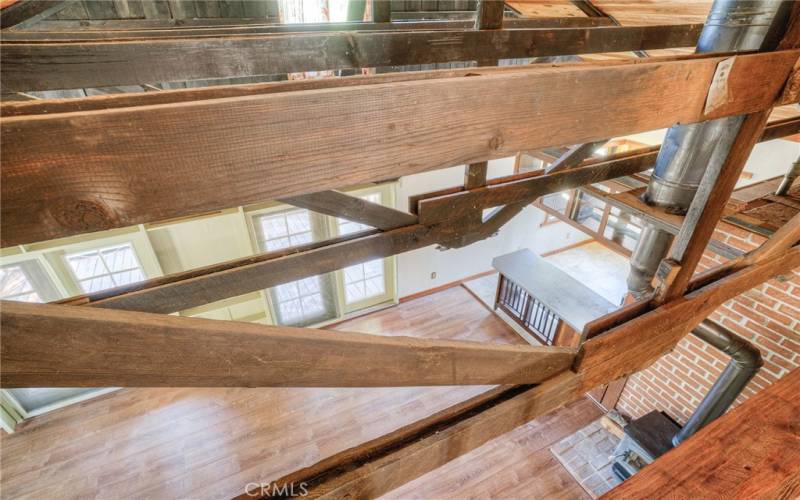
x=770 y=159
x=414 y=269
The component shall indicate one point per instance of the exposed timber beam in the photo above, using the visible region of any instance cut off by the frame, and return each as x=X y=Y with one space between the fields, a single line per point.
x=201 y=286
x=25 y=12
x=52 y=188
x=63 y=346
x=605 y=357
x=438 y=209
x=119 y=29
x=193 y=288
x=385 y=463
x=574 y=156
x=706 y=210
x=381 y=11
x=489 y=14
x=433 y=15
x=354 y=209
x=108 y=63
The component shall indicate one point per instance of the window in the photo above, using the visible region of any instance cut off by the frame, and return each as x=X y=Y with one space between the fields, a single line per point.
x=367 y=280
x=350 y=227
x=623 y=228
x=364 y=281
x=303 y=302
x=306 y=301
x=26 y=282
x=105 y=268
x=557 y=202
x=589 y=211
x=288 y=228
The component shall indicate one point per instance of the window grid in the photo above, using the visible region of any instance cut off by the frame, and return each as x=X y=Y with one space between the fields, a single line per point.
x=16 y=285
x=300 y=301
x=104 y=268
x=350 y=227
x=284 y=229
x=303 y=301
x=364 y=281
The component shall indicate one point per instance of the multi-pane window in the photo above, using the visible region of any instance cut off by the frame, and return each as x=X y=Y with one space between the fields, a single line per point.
x=104 y=268
x=288 y=228
x=306 y=301
x=367 y=280
x=349 y=227
x=303 y=301
x=589 y=211
x=26 y=282
x=623 y=228
x=16 y=285
x=364 y=281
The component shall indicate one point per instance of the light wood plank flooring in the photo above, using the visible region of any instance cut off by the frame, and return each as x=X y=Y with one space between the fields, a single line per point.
x=209 y=443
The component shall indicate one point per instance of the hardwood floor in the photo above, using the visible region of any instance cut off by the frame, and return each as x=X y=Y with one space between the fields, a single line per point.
x=209 y=443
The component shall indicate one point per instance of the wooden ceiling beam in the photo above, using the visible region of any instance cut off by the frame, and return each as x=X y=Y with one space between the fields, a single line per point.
x=354 y=209
x=230 y=152
x=154 y=28
x=25 y=12
x=63 y=346
x=383 y=464
x=193 y=288
x=130 y=62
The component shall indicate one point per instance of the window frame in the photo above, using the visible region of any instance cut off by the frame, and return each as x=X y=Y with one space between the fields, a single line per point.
x=329 y=229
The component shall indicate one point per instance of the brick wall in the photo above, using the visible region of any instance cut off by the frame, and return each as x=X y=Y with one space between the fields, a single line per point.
x=768 y=316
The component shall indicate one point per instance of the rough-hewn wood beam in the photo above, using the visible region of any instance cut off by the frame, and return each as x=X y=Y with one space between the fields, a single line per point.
x=352 y=208
x=200 y=286
x=433 y=210
x=108 y=63
x=119 y=29
x=653 y=334
x=63 y=346
x=574 y=156
x=706 y=210
x=380 y=465
x=238 y=151
x=489 y=14
x=25 y=12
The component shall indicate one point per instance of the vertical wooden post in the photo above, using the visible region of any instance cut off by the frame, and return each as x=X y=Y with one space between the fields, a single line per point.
x=489 y=15
x=381 y=11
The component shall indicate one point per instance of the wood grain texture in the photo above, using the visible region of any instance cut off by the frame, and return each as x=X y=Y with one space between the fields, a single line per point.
x=433 y=210
x=751 y=452
x=126 y=29
x=108 y=63
x=27 y=11
x=200 y=286
x=369 y=471
x=489 y=14
x=352 y=208
x=372 y=470
x=250 y=148
x=609 y=354
x=704 y=213
x=188 y=289
x=209 y=443
x=64 y=346
x=116 y=101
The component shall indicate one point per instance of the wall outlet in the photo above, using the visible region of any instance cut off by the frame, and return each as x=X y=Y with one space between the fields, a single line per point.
x=433 y=275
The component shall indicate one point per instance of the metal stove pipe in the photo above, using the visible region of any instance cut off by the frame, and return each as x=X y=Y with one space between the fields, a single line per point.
x=789 y=178
x=744 y=364
x=688 y=150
